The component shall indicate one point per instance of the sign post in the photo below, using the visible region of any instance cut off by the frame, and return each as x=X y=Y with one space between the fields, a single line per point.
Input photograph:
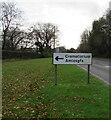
x=57 y=50
x=55 y=74
x=88 y=73
x=72 y=58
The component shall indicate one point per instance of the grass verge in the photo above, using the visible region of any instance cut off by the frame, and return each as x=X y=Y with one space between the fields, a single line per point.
x=29 y=91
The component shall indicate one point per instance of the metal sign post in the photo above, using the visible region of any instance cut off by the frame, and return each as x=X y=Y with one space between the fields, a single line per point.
x=55 y=50
x=88 y=73
x=55 y=74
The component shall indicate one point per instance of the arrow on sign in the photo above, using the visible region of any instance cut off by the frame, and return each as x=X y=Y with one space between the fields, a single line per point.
x=57 y=58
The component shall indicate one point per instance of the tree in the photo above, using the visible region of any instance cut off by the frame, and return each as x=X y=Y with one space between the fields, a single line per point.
x=9 y=18
x=96 y=40
x=71 y=50
x=83 y=47
x=15 y=38
x=107 y=30
x=45 y=35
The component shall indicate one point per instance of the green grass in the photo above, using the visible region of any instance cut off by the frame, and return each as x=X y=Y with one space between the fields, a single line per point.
x=29 y=91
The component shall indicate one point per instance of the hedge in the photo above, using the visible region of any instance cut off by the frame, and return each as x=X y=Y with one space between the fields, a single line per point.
x=6 y=54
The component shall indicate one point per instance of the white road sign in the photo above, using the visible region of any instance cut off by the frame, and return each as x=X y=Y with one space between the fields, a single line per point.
x=72 y=58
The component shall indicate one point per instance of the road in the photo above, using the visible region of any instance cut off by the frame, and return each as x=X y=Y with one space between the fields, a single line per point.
x=100 y=68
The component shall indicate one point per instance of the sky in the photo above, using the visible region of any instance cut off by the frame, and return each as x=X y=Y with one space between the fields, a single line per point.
x=71 y=16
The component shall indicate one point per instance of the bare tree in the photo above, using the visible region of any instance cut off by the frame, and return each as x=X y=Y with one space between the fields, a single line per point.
x=15 y=37
x=9 y=18
x=46 y=35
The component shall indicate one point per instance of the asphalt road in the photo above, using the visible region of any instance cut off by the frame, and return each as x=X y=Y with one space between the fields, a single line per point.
x=101 y=69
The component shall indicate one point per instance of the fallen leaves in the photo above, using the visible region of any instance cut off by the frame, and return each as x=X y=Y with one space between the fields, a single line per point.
x=37 y=104
x=78 y=99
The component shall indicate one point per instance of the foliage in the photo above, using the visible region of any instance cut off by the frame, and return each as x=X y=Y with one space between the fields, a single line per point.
x=29 y=54
x=42 y=36
x=71 y=50
x=9 y=24
x=45 y=36
x=98 y=39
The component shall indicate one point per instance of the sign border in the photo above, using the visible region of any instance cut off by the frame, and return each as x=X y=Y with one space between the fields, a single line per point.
x=71 y=64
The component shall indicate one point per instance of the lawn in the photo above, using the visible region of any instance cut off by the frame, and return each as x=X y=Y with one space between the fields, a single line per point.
x=29 y=91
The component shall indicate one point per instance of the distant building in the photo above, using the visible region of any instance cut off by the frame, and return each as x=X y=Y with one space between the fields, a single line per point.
x=61 y=49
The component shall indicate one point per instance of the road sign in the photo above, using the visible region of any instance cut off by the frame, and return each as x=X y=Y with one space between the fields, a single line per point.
x=72 y=58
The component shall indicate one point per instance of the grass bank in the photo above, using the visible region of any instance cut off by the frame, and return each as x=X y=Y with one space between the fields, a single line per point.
x=29 y=91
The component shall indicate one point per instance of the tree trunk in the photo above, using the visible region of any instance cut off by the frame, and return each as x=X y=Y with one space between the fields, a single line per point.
x=4 y=40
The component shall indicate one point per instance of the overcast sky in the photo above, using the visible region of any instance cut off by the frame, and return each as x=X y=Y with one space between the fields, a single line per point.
x=71 y=16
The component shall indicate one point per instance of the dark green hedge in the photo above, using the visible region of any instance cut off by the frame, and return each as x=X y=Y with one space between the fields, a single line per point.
x=6 y=54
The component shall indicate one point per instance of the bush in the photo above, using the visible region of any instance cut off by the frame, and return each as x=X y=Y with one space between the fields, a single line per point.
x=6 y=54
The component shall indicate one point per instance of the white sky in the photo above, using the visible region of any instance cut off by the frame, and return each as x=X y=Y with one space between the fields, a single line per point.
x=71 y=16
